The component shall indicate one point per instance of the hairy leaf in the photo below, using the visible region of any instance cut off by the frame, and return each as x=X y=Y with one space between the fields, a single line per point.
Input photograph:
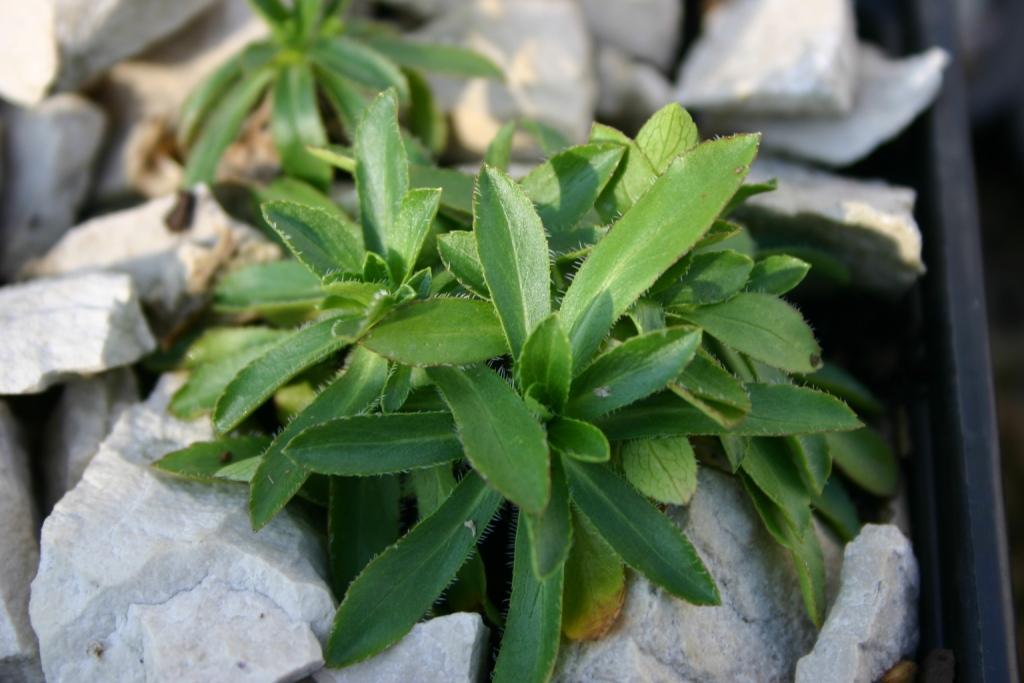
x=842 y=384
x=579 y=440
x=551 y=531
x=362 y=521
x=199 y=393
x=632 y=178
x=456 y=186
x=459 y=254
x=712 y=390
x=668 y=133
x=295 y=123
x=595 y=584
x=268 y=288
x=318 y=239
x=544 y=370
x=662 y=469
x=711 y=278
x=410 y=231
x=426 y=121
x=866 y=459
x=777 y=274
x=382 y=172
x=769 y=464
x=813 y=460
x=499 y=151
x=202 y=460
x=838 y=510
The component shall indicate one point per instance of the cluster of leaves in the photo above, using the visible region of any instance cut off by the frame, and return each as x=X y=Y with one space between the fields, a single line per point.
x=312 y=54
x=572 y=343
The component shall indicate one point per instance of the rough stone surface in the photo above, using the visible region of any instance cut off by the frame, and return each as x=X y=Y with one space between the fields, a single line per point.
x=19 y=554
x=57 y=328
x=130 y=555
x=630 y=90
x=544 y=49
x=49 y=152
x=873 y=623
x=143 y=95
x=787 y=57
x=85 y=414
x=890 y=95
x=448 y=649
x=646 y=29
x=170 y=268
x=868 y=225
x=755 y=636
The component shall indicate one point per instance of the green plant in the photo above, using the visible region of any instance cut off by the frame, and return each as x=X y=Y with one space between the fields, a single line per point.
x=312 y=53
x=600 y=327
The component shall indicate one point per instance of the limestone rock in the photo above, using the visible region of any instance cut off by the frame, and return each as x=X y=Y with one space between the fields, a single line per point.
x=58 y=328
x=873 y=623
x=147 y=577
x=630 y=90
x=787 y=57
x=171 y=266
x=544 y=49
x=868 y=225
x=649 y=30
x=890 y=95
x=49 y=153
x=448 y=649
x=755 y=636
x=19 y=555
x=85 y=414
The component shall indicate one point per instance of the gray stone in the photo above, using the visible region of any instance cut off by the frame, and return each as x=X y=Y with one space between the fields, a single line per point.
x=867 y=225
x=58 y=328
x=544 y=49
x=170 y=268
x=788 y=57
x=649 y=30
x=890 y=95
x=448 y=649
x=19 y=555
x=85 y=414
x=755 y=636
x=873 y=623
x=629 y=90
x=49 y=155
x=147 y=577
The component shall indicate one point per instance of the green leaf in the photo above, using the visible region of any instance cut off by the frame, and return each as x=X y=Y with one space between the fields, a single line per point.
x=279 y=478
x=222 y=126
x=777 y=274
x=410 y=230
x=544 y=370
x=837 y=509
x=258 y=380
x=338 y=156
x=382 y=172
x=551 y=530
x=642 y=536
x=425 y=119
x=364 y=445
x=578 y=440
x=595 y=584
x=711 y=278
x=318 y=239
x=206 y=95
x=456 y=186
x=529 y=645
x=841 y=384
x=632 y=179
x=501 y=438
x=218 y=343
x=629 y=372
x=776 y=410
x=514 y=253
x=268 y=288
x=662 y=469
x=344 y=96
x=769 y=464
x=459 y=254
x=396 y=389
x=647 y=316
x=762 y=326
x=499 y=151
x=201 y=461
x=272 y=11
x=651 y=236
x=712 y=390
x=812 y=459
x=747 y=191
x=437 y=58
x=438 y=332
x=551 y=140
x=295 y=123
x=565 y=187
x=866 y=459
x=362 y=521
x=668 y=133
x=397 y=588
x=199 y=393
x=360 y=63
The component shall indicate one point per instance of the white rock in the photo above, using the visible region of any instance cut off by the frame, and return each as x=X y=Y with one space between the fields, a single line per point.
x=755 y=636
x=143 y=96
x=57 y=328
x=169 y=268
x=786 y=57
x=544 y=49
x=868 y=225
x=448 y=649
x=62 y=44
x=85 y=414
x=137 y=568
x=873 y=623
x=649 y=30
x=19 y=555
x=629 y=90
x=52 y=147
x=890 y=95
